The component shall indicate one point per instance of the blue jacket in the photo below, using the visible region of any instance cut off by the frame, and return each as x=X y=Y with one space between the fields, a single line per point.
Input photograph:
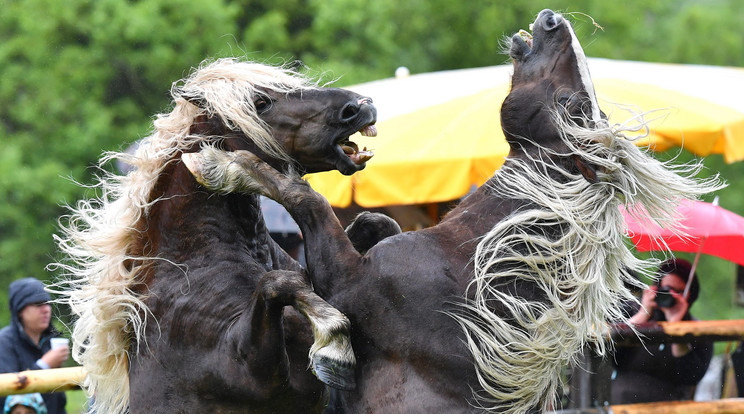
x=17 y=351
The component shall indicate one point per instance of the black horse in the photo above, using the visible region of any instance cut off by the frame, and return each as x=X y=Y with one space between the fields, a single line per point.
x=184 y=303
x=484 y=310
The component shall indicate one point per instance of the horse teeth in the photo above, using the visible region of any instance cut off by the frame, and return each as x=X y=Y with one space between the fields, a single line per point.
x=369 y=131
x=361 y=157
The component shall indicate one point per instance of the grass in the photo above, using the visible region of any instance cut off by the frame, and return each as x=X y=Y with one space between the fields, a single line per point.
x=76 y=402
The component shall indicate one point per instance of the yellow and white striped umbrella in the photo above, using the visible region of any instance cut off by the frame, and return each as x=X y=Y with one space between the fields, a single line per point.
x=440 y=133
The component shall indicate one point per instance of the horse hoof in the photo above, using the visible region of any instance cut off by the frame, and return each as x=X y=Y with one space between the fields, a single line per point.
x=334 y=374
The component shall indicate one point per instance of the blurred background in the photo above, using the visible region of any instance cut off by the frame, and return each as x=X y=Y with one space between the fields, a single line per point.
x=81 y=77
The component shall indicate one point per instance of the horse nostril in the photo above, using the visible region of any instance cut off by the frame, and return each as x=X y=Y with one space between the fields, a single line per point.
x=552 y=21
x=349 y=111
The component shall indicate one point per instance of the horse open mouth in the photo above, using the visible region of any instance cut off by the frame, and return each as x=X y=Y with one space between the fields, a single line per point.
x=521 y=46
x=523 y=41
x=526 y=36
x=352 y=150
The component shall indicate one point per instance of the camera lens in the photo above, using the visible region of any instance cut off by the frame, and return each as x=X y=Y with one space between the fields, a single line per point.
x=664 y=299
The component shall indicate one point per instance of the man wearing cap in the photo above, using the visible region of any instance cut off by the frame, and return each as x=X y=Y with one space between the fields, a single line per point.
x=25 y=343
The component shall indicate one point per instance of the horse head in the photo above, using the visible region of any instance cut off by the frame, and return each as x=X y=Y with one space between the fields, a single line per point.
x=550 y=87
x=279 y=115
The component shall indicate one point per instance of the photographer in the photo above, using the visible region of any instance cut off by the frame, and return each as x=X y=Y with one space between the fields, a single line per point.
x=664 y=372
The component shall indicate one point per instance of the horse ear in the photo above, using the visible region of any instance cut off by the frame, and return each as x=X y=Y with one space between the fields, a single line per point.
x=587 y=170
x=191 y=97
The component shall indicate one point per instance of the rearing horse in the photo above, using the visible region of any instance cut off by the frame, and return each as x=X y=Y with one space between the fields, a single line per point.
x=181 y=295
x=482 y=311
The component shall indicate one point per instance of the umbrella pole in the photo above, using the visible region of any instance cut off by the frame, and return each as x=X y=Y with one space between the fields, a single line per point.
x=692 y=270
x=697 y=258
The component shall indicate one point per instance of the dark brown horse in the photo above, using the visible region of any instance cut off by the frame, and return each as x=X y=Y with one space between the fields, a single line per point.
x=484 y=310
x=181 y=296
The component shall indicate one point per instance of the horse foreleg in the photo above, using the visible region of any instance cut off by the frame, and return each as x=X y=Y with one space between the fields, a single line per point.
x=259 y=338
x=331 y=356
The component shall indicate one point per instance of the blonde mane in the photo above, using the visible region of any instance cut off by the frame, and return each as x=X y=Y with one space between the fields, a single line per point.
x=572 y=247
x=98 y=237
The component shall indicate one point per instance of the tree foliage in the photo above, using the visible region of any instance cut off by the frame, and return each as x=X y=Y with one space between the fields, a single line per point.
x=80 y=77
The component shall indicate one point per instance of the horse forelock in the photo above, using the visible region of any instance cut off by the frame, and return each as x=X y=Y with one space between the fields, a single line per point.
x=571 y=246
x=99 y=236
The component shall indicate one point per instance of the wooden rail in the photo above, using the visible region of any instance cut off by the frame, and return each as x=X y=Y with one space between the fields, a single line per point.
x=62 y=379
x=41 y=380
x=725 y=406
x=684 y=331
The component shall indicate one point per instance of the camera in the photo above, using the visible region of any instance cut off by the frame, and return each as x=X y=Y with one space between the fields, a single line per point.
x=664 y=299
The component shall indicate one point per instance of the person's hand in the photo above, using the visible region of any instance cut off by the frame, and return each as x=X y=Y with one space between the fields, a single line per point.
x=675 y=314
x=648 y=300
x=55 y=357
x=648 y=304
x=679 y=310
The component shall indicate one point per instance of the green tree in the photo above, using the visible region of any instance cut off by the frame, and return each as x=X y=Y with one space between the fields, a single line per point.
x=77 y=78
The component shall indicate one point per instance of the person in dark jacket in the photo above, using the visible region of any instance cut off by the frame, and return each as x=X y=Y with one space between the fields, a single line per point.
x=662 y=372
x=25 y=343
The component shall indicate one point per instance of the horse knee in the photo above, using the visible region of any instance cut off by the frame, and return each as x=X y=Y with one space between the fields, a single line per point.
x=281 y=287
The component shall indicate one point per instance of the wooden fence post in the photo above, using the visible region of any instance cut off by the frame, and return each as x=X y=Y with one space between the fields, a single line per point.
x=590 y=382
x=41 y=380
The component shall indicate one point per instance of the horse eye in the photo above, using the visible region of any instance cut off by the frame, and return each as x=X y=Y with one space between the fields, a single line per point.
x=563 y=100
x=262 y=103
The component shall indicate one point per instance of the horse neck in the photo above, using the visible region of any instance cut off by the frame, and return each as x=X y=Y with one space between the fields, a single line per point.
x=188 y=218
x=480 y=210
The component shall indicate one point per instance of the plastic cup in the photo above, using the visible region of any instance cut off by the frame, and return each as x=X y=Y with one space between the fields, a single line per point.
x=60 y=342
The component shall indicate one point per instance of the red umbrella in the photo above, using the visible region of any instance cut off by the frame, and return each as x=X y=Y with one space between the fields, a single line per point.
x=704 y=228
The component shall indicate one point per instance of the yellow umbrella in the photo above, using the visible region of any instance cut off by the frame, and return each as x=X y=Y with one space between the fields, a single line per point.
x=440 y=133
x=699 y=107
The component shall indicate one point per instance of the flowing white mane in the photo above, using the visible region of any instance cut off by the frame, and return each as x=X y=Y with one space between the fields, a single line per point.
x=98 y=237
x=572 y=247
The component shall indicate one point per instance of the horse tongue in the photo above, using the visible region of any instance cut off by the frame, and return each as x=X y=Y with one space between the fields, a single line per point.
x=357 y=157
x=349 y=148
